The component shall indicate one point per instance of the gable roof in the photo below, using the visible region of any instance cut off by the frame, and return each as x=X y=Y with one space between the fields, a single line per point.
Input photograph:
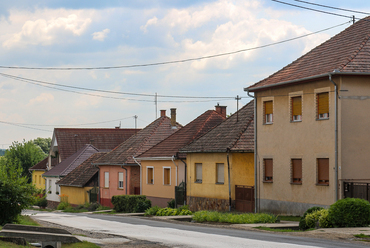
x=139 y=143
x=170 y=146
x=235 y=134
x=41 y=166
x=83 y=173
x=67 y=165
x=346 y=52
x=69 y=140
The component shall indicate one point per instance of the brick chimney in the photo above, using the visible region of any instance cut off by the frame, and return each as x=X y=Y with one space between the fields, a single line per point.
x=173 y=118
x=221 y=110
x=163 y=112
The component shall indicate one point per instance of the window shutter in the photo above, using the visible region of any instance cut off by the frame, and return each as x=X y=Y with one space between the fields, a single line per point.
x=297 y=170
x=268 y=169
x=166 y=174
x=323 y=170
x=220 y=173
x=297 y=105
x=323 y=103
x=268 y=107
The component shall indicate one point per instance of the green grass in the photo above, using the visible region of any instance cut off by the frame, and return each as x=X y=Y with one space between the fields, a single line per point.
x=289 y=218
x=111 y=212
x=276 y=229
x=11 y=245
x=245 y=218
x=26 y=220
x=75 y=245
x=361 y=235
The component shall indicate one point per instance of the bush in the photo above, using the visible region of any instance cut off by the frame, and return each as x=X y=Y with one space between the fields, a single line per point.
x=171 y=203
x=63 y=206
x=302 y=222
x=151 y=211
x=126 y=203
x=92 y=206
x=324 y=221
x=41 y=202
x=312 y=219
x=350 y=212
x=141 y=206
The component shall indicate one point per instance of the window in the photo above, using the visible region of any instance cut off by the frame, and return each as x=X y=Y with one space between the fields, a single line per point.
x=150 y=175
x=50 y=186
x=323 y=171
x=296 y=105
x=198 y=172
x=268 y=112
x=322 y=102
x=297 y=171
x=40 y=179
x=106 y=179
x=220 y=173
x=120 y=180
x=35 y=181
x=56 y=189
x=267 y=170
x=167 y=176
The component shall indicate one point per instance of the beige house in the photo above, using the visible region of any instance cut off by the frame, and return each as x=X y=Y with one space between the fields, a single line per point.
x=312 y=126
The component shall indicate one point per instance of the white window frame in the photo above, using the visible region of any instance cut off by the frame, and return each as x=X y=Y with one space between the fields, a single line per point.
x=324 y=116
x=120 y=182
x=166 y=167
x=269 y=118
x=196 y=174
x=149 y=167
x=106 y=182
x=218 y=172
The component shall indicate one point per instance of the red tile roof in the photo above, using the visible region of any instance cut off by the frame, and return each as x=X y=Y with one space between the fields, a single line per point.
x=69 y=164
x=71 y=139
x=41 y=166
x=348 y=52
x=171 y=145
x=235 y=134
x=139 y=143
x=83 y=173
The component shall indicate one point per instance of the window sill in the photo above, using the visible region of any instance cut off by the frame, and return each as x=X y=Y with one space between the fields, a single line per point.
x=322 y=119
x=119 y=188
x=295 y=121
x=321 y=184
x=198 y=181
x=268 y=123
x=220 y=183
x=296 y=183
x=150 y=183
x=166 y=184
x=267 y=181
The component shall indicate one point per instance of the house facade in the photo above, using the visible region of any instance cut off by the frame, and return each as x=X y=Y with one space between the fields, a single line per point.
x=311 y=126
x=38 y=170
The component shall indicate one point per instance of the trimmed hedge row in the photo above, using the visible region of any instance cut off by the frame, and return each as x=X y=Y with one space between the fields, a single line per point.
x=130 y=203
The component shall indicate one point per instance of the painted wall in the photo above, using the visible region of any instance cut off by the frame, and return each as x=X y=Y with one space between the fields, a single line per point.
x=241 y=173
x=76 y=195
x=284 y=140
x=38 y=180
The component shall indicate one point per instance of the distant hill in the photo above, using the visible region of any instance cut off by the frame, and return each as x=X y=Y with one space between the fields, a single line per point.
x=2 y=152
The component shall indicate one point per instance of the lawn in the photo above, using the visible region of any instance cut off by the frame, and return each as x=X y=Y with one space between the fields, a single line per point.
x=75 y=245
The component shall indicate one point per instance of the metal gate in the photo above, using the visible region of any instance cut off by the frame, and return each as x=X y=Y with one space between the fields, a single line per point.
x=180 y=194
x=244 y=198
x=356 y=190
x=93 y=194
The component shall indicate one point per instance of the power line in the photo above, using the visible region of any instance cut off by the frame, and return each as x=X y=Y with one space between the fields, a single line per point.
x=182 y=60
x=326 y=6
x=18 y=125
x=321 y=11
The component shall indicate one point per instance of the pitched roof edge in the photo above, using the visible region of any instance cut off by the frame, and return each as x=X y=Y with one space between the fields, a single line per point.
x=355 y=53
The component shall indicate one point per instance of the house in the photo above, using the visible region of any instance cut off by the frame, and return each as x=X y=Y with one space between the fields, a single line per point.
x=163 y=167
x=312 y=125
x=119 y=173
x=63 y=169
x=81 y=184
x=220 y=165
x=40 y=168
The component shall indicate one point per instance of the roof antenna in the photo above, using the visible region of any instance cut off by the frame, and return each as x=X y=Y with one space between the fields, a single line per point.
x=353 y=19
x=237 y=107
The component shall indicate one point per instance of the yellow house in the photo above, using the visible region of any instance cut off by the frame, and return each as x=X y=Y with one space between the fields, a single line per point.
x=163 y=168
x=312 y=126
x=220 y=166
x=38 y=169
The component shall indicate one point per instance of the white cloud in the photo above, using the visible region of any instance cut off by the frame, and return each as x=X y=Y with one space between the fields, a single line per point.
x=42 y=98
x=100 y=36
x=152 y=21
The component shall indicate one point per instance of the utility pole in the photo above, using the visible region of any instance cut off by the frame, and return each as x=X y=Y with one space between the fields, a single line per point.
x=155 y=102
x=135 y=116
x=237 y=107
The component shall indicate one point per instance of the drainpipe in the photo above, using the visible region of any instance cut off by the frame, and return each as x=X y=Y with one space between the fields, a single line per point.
x=336 y=137
x=98 y=180
x=126 y=177
x=186 y=166
x=141 y=186
x=173 y=161
x=228 y=172
x=256 y=205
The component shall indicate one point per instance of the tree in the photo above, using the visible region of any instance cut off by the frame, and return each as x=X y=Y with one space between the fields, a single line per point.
x=43 y=143
x=24 y=155
x=16 y=193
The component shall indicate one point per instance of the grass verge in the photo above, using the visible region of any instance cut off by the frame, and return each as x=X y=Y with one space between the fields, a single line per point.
x=363 y=237
x=26 y=220
x=83 y=244
x=277 y=229
x=290 y=218
x=246 y=218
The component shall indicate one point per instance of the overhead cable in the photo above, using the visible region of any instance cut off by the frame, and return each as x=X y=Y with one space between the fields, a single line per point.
x=326 y=6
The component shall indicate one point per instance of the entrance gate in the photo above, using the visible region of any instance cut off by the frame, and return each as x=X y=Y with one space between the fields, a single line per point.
x=244 y=198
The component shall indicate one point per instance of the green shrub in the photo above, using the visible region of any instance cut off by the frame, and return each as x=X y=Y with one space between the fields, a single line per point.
x=93 y=206
x=247 y=218
x=324 y=221
x=350 y=212
x=126 y=203
x=141 y=206
x=41 y=202
x=302 y=221
x=63 y=206
x=151 y=211
x=185 y=212
x=313 y=218
x=171 y=203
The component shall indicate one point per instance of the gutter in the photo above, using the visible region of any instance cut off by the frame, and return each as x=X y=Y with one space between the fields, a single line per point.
x=141 y=180
x=256 y=205
x=155 y=158
x=126 y=177
x=336 y=137
x=228 y=174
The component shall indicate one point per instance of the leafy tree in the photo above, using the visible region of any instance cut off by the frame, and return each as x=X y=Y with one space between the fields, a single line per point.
x=16 y=193
x=43 y=143
x=25 y=155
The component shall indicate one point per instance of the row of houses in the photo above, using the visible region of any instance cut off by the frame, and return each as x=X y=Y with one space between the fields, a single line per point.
x=301 y=142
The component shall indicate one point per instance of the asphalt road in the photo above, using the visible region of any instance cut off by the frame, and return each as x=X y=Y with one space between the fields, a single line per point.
x=181 y=235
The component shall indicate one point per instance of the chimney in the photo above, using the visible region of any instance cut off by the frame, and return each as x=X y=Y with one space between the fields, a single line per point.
x=163 y=112
x=221 y=110
x=173 y=118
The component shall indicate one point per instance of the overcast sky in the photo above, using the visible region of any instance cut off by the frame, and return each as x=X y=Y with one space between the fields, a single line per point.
x=70 y=34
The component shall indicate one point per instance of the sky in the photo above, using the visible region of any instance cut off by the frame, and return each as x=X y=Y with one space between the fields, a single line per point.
x=94 y=34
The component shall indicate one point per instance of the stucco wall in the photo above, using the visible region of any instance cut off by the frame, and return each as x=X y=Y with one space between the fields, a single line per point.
x=39 y=181
x=285 y=140
x=76 y=195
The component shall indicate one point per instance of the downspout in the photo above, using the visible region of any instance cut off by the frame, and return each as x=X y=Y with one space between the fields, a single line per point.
x=256 y=205
x=126 y=177
x=141 y=186
x=186 y=169
x=173 y=161
x=228 y=175
x=98 y=181
x=336 y=137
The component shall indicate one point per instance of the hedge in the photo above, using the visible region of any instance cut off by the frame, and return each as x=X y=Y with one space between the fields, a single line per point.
x=130 y=203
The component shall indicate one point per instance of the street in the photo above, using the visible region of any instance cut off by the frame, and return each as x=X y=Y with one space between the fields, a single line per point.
x=179 y=235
